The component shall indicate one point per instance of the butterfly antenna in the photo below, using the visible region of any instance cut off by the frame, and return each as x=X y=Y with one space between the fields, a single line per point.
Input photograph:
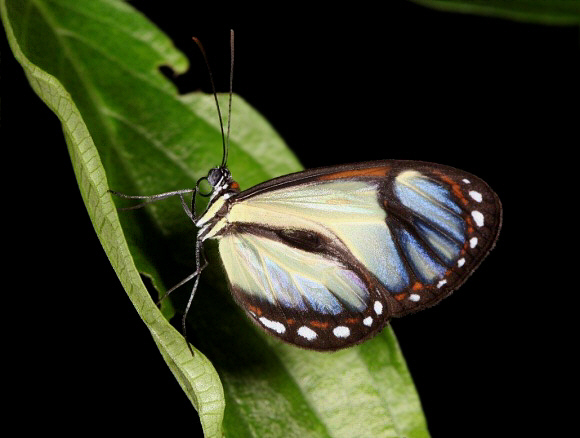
x=224 y=144
x=225 y=159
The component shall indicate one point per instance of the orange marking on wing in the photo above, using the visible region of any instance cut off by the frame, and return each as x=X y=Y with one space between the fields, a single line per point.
x=371 y=171
x=417 y=286
x=446 y=179
x=235 y=186
x=256 y=310
x=290 y=321
x=454 y=187
x=351 y=320
x=319 y=324
x=400 y=297
x=470 y=228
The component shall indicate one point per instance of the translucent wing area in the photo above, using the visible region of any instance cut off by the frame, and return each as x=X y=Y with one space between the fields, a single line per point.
x=304 y=298
x=323 y=258
x=445 y=222
x=346 y=211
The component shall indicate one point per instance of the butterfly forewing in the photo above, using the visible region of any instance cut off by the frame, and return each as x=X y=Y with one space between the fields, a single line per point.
x=323 y=258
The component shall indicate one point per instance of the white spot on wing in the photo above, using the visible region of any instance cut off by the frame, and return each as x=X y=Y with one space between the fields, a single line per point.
x=466 y=181
x=415 y=297
x=307 y=333
x=476 y=195
x=341 y=331
x=278 y=327
x=460 y=262
x=368 y=321
x=473 y=242
x=441 y=283
x=477 y=217
x=378 y=307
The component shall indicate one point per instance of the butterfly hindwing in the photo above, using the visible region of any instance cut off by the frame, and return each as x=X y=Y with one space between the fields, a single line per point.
x=323 y=258
x=305 y=297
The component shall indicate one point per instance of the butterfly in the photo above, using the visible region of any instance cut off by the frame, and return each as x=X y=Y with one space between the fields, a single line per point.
x=324 y=258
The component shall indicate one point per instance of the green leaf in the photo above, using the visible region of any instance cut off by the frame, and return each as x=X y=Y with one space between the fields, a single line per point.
x=63 y=66
x=95 y=64
x=559 y=12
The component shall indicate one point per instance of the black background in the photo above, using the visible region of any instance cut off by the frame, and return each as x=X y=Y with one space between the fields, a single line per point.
x=342 y=84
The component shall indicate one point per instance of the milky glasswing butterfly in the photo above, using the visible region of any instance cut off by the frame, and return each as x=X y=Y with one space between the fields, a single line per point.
x=323 y=258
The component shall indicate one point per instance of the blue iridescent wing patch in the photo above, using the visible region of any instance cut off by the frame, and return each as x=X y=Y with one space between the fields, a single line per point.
x=324 y=258
x=447 y=222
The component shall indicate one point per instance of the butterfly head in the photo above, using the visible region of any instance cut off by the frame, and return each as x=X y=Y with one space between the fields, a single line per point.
x=217 y=176
x=221 y=181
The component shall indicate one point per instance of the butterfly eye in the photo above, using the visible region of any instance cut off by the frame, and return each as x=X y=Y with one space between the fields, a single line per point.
x=214 y=176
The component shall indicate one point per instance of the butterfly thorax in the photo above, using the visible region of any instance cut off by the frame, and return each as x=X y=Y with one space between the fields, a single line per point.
x=223 y=187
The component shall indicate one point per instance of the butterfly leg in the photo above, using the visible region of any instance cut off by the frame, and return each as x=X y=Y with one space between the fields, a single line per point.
x=199 y=268
x=188 y=211
x=150 y=198
x=182 y=282
x=199 y=253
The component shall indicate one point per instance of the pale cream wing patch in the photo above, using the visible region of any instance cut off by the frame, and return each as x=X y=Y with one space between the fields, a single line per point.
x=302 y=297
x=344 y=210
x=288 y=277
